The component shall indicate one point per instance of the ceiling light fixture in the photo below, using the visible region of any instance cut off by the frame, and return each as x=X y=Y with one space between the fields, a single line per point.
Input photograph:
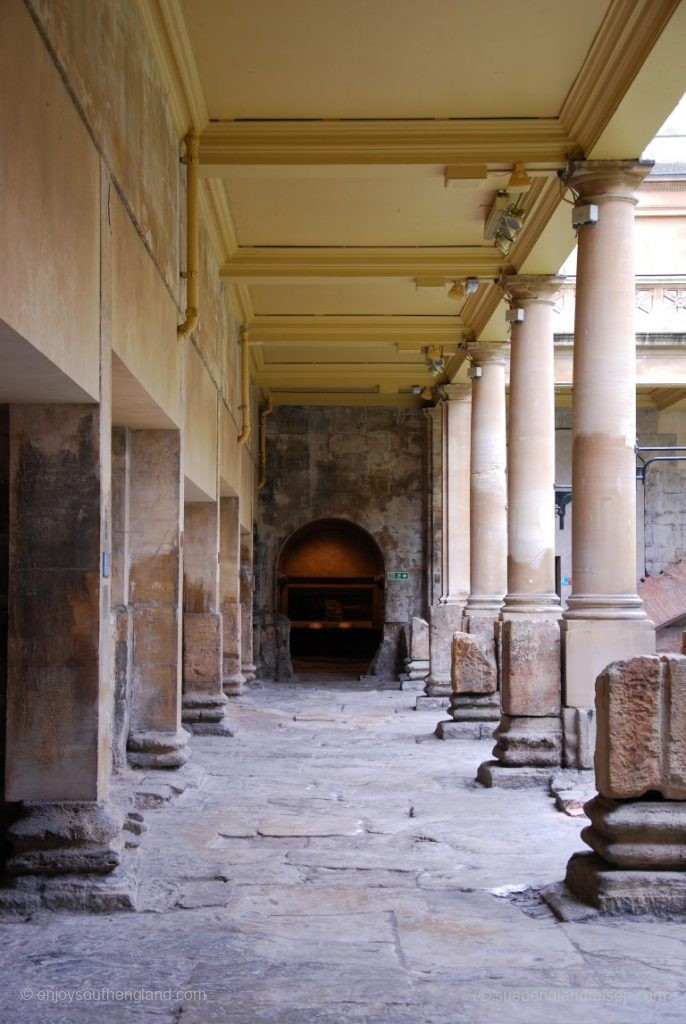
x=461 y=289
x=519 y=182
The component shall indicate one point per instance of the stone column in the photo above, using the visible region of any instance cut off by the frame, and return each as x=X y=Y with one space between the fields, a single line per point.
x=156 y=739
x=475 y=697
x=446 y=614
x=233 y=680
x=435 y=696
x=604 y=619
x=246 y=594
x=59 y=690
x=122 y=621
x=417 y=661
x=638 y=819
x=529 y=736
x=204 y=702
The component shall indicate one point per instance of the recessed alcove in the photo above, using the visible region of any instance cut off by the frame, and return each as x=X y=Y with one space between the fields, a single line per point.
x=330 y=579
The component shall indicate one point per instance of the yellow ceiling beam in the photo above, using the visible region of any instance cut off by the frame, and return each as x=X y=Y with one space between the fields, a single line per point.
x=533 y=141
x=268 y=262
x=394 y=330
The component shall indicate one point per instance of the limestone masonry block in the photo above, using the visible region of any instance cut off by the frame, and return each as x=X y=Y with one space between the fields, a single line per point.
x=530 y=667
x=641 y=712
x=473 y=668
x=202 y=651
x=419 y=644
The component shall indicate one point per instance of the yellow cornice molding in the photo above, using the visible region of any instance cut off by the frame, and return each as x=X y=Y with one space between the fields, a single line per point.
x=449 y=262
x=342 y=375
x=393 y=330
x=165 y=26
x=500 y=141
x=626 y=36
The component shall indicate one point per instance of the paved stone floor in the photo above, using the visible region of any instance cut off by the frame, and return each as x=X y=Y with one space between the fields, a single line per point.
x=335 y=863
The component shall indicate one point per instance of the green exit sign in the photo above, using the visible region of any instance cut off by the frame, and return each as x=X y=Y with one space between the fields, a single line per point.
x=397 y=575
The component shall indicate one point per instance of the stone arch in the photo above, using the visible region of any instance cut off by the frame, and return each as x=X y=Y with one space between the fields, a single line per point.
x=330 y=586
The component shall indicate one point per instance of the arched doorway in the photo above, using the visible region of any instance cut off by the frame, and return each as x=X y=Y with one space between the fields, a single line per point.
x=330 y=580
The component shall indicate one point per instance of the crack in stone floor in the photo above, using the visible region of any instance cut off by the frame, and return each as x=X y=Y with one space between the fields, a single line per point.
x=323 y=866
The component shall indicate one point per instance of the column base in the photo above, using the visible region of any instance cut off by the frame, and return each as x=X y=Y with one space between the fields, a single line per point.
x=530 y=742
x=438 y=688
x=589 y=645
x=158 y=749
x=531 y=667
x=474 y=665
x=617 y=891
x=450 y=730
x=69 y=837
x=494 y=775
x=205 y=714
x=416 y=670
x=578 y=734
x=409 y=685
x=446 y=619
x=475 y=707
x=430 y=703
x=638 y=834
x=249 y=672
x=234 y=686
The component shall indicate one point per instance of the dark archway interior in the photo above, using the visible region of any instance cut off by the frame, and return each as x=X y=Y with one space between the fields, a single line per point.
x=330 y=582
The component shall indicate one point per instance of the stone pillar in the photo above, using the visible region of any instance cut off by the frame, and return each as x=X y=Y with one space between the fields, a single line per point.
x=417 y=662
x=204 y=701
x=433 y=697
x=638 y=819
x=529 y=736
x=59 y=690
x=233 y=680
x=122 y=621
x=446 y=614
x=246 y=593
x=475 y=697
x=156 y=739
x=604 y=619
x=5 y=806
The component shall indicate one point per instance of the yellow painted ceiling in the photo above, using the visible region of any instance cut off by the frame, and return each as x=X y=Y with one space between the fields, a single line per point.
x=389 y=58
x=331 y=218
x=357 y=206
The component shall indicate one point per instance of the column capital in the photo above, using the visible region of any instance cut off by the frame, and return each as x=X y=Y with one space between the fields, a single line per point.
x=481 y=352
x=520 y=288
x=595 y=180
x=454 y=392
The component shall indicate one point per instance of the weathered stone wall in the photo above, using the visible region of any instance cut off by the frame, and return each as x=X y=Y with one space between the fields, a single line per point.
x=663 y=503
x=364 y=465
x=661 y=507
x=4 y=567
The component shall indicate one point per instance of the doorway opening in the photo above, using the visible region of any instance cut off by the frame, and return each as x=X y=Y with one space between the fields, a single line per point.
x=330 y=582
